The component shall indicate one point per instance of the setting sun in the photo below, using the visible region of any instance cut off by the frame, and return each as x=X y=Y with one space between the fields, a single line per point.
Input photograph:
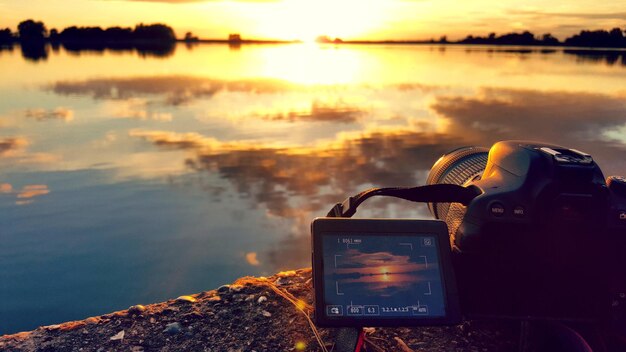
x=306 y=20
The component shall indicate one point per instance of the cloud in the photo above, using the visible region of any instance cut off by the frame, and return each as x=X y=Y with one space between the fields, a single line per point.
x=60 y=113
x=9 y=145
x=171 y=1
x=195 y=1
x=580 y=15
x=360 y=259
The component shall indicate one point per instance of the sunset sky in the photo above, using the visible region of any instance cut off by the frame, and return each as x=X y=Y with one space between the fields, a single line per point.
x=306 y=19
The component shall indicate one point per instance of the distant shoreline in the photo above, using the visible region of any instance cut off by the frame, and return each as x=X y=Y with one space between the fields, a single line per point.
x=395 y=42
x=35 y=34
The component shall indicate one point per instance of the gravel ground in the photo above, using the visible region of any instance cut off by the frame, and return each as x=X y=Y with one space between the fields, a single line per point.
x=252 y=314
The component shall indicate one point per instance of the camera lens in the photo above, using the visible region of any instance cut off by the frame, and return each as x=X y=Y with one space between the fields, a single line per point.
x=457 y=167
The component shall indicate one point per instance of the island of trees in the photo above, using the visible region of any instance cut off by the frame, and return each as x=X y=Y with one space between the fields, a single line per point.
x=33 y=36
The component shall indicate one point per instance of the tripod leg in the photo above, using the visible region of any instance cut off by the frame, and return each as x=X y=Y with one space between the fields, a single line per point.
x=348 y=340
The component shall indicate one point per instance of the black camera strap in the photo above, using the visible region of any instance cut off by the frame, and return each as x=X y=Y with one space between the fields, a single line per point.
x=437 y=193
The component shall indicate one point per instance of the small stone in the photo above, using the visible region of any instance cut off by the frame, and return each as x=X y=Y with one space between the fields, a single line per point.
x=136 y=309
x=195 y=315
x=281 y=281
x=286 y=273
x=369 y=330
x=152 y=320
x=223 y=289
x=261 y=299
x=185 y=299
x=169 y=310
x=172 y=328
x=92 y=320
x=137 y=349
x=118 y=336
x=53 y=327
x=266 y=313
x=249 y=298
x=215 y=299
x=235 y=288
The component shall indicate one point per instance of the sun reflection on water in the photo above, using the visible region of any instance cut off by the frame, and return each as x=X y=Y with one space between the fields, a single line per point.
x=313 y=64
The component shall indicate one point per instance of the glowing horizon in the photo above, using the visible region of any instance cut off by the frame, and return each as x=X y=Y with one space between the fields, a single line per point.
x=306 y=19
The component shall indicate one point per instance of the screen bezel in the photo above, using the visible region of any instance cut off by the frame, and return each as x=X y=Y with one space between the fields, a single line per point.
x=378 y=227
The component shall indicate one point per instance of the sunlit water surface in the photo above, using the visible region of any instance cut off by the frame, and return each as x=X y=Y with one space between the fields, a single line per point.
x=129 y=179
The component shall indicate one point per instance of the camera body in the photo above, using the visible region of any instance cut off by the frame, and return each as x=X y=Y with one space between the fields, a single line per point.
x=545 y=237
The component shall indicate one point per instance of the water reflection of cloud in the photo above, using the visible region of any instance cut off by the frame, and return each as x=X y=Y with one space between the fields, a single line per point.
x=301 y=181
x=382 y=157
x=31 y=191
x=6 y=188
x=138 y=109
x=339 y=112
x=26 y=194
x=181 y=89
x=580 y=120
x=251 y=258
x=59 y=113
x=177 y=90
x=10 y=145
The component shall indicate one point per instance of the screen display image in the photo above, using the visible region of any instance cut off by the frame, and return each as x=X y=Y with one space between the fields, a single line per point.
x=382 y=276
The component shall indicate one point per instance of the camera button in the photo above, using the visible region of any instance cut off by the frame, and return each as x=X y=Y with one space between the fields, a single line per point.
x=621 y=215
x=334 y=310
x=519 y=211
x=496 y=209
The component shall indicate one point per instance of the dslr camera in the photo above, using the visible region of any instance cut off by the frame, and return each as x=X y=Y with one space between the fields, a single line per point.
x=525 y=230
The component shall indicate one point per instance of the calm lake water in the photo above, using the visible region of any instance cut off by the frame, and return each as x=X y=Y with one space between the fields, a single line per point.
x=128 y=178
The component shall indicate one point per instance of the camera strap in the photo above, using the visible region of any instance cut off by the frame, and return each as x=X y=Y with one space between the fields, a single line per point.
x=437 y=193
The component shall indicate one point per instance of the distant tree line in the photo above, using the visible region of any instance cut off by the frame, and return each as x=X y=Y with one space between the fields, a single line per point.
x=601 y=38
x=35 y=32
x=610 y=39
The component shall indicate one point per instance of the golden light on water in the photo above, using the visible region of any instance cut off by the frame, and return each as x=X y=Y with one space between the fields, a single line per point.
x=311 y=65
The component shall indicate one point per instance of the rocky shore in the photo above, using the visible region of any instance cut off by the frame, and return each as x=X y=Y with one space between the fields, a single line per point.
x=252 y=314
